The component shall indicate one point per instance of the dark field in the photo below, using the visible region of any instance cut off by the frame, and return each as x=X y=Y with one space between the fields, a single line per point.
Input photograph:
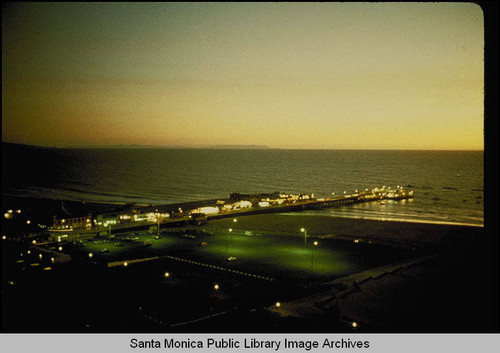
x=268 y=268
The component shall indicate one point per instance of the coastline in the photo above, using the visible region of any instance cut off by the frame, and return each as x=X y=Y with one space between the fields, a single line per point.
x=43 y=209
x=448 y=223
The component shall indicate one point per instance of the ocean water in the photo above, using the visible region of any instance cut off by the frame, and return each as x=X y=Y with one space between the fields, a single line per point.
x=448 y=185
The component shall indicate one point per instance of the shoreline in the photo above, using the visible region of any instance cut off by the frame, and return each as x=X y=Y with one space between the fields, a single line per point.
x=45 y=206
x=403 y=220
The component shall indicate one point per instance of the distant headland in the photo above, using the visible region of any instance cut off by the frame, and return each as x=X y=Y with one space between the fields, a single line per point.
x=138 y=146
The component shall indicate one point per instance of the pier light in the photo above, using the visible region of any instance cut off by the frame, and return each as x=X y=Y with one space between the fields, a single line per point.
x=354 y=324
x=278 y=304
x=28 y=222
x=125 y=264
x=18 y=211
x=166 y=275
x=216 y=287
x=90 y=254
x=29 y=252
x=33 y=242
x=4 y=237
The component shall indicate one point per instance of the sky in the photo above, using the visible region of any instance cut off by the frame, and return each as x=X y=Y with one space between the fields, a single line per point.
x=283 y=75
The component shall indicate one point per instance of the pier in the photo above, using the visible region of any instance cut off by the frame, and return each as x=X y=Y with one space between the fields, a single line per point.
x=316 y=204
x=153 y=218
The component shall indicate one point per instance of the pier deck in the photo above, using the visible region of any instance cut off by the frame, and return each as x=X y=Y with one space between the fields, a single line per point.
x=184 y=219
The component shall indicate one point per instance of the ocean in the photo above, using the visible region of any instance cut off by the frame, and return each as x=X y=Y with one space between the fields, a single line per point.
x=448 y=185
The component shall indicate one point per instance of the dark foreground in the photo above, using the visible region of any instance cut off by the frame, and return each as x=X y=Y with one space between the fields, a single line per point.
x=385 y=276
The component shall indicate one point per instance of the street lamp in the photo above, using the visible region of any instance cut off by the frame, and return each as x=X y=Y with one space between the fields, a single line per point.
x=312 y=253
x=303 y=230
x=216 y=287
x=230 y=231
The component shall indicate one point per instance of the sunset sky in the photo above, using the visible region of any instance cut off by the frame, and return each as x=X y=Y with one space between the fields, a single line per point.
x=284 y=75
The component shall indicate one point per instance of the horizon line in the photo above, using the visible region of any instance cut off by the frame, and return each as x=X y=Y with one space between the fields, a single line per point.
x=230 y=147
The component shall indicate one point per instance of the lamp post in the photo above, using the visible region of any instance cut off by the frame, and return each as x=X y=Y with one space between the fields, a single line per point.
x=303 y=230
x=230 y=231
x=312 y=253
x=216 y=287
